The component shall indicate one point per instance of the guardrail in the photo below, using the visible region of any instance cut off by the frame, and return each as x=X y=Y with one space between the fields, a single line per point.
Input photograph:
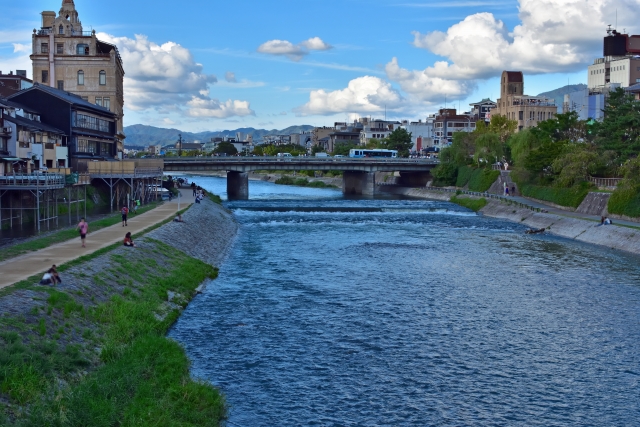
x=605 y=182
x=233 y=159
x=487 y=195
x=32 y=180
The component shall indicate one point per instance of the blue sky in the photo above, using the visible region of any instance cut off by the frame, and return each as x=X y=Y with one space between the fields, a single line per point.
x=202 y=65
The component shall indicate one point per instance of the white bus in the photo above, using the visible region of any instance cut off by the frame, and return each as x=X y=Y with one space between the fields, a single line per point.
x=360 y=153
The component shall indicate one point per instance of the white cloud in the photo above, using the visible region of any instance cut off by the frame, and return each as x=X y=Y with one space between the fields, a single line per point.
x=425 y=88
x=553 y=36
x=362 y=95
x=295 y=52
x=13 y=63
x=316 y=43
x=205 y=107
x=19 y=47
x=167 y=78
x=230 y=77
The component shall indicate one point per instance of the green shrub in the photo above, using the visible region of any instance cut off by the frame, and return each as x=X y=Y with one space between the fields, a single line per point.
x=285 y=180
x=625 y=201
x=444 y=175
x=302 y=182
x=464 y=175
x=473 y=204
x=570 y=197
x=482 y=179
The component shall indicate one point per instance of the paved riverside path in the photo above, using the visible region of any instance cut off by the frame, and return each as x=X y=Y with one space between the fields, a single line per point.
x=21 y=268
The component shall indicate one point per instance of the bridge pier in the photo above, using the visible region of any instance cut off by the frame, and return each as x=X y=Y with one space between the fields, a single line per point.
x=414 y=179
x=359 y=183
x=237 y=185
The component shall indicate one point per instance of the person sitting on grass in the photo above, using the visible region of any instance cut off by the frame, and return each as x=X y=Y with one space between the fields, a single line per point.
x=56 y=276
x=48 y=278
x=128 y=242
x=178 y=218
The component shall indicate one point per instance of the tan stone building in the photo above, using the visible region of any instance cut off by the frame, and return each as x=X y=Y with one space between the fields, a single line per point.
x=68 y=58
x=527 y=110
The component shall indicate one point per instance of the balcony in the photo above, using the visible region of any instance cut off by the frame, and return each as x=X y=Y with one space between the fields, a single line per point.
x=6 y=131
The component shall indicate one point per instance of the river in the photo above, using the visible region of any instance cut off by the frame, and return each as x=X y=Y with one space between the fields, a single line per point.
x=332 y=311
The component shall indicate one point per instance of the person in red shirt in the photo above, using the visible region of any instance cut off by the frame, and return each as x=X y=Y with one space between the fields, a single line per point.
x=128 y=241
x=124 y=212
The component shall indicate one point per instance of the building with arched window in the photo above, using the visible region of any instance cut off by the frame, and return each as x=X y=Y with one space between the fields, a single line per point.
x=68 y=58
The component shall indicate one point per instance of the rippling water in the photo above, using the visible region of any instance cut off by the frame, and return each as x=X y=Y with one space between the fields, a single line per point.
x=338 y=312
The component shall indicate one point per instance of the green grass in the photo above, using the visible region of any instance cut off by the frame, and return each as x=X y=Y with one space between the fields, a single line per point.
x=569 y=197
x=61 y=236
x=473 y=204
x=464 y=175
x=625 y=201
x=139 y=377
x=482 y=179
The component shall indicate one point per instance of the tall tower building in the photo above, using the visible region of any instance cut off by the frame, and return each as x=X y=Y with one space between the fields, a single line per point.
x=527 y=110
x=66 y=57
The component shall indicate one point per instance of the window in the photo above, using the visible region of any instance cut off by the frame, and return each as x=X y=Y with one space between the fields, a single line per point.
x=80 y=77
x=82 y=49
x=45 y=76
x=87 y=122
x=99 y=101
x=637 y=80
x=61 y=84
x=60 y=29
x=44 y=48
x=103 y=78
x=83 y=145
x=521 y=115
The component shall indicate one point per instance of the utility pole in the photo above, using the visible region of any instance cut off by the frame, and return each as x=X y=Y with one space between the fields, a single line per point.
x=179 y=145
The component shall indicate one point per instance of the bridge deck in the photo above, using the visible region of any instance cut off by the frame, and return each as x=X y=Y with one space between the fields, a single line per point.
x=248 y=164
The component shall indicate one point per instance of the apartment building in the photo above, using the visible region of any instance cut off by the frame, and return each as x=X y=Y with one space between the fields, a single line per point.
x=421 y=134
x=482 y=109
x=527 y=110
x=376 y=129
x=66 y=57
x=447 y=122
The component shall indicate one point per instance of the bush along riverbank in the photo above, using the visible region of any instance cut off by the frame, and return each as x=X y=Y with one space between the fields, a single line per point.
x=92 y=351
x=302 y=182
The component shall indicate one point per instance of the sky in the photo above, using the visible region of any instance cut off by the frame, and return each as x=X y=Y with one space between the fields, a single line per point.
x=213 y=65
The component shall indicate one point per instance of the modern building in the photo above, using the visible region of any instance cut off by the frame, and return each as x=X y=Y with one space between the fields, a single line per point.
x=376 y=129
x=482 y=109
x=91 y=130
x=12 y=83
x=447 y=122
x=66 y=57
x=527 y=110
x=320 y=136
x=634 y=90
x=421 y=134
x=620 y=62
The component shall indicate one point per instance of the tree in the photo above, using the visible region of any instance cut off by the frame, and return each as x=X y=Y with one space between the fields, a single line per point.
x=375 y=143
x=620 y=129
x=489 y=148
x=226 y=148
x=317 y=149
x=521 y=144
x=575 y=165
x=342 y=148
x=502 y=126
x=461 y=150
x=564 y=127
x=399 y=140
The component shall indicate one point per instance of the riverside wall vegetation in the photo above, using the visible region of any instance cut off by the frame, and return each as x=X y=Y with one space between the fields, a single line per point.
x=92 y=351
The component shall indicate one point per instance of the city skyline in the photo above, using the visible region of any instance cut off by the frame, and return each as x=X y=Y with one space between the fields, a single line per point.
x=272 y=66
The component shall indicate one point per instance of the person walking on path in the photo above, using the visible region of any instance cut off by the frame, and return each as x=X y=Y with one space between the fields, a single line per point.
x=193 y=187
x=136 y=205
x=124 y=212
x=83 y=228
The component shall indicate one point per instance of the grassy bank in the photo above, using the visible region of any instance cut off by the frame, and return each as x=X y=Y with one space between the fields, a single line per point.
x=62 y=236
x=625 y=201
x=93 y=350
x=473 y=204
x=569 y=197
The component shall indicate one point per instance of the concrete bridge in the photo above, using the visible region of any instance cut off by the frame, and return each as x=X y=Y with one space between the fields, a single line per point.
x=358 y=177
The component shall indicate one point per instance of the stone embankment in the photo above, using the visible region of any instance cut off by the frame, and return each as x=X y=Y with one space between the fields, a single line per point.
x=614 y=237
x=206 y=234
x=273 y=177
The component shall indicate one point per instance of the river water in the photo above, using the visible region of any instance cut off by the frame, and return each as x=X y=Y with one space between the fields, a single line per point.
x=392 y=312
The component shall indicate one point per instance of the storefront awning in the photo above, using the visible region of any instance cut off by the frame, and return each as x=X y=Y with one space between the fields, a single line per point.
x=10 y=159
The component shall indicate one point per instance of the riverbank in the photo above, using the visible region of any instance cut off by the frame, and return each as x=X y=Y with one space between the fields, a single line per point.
x=581 y=229
x=92 y=350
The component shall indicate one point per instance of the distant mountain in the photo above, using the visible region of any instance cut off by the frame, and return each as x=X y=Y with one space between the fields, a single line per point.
x=142 y=135
x=558 y=94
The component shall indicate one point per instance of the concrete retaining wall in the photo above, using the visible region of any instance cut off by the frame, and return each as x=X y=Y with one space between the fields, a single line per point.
x=594 y=204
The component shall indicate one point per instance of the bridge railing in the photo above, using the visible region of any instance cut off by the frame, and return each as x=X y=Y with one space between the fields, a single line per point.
x=319 y=160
